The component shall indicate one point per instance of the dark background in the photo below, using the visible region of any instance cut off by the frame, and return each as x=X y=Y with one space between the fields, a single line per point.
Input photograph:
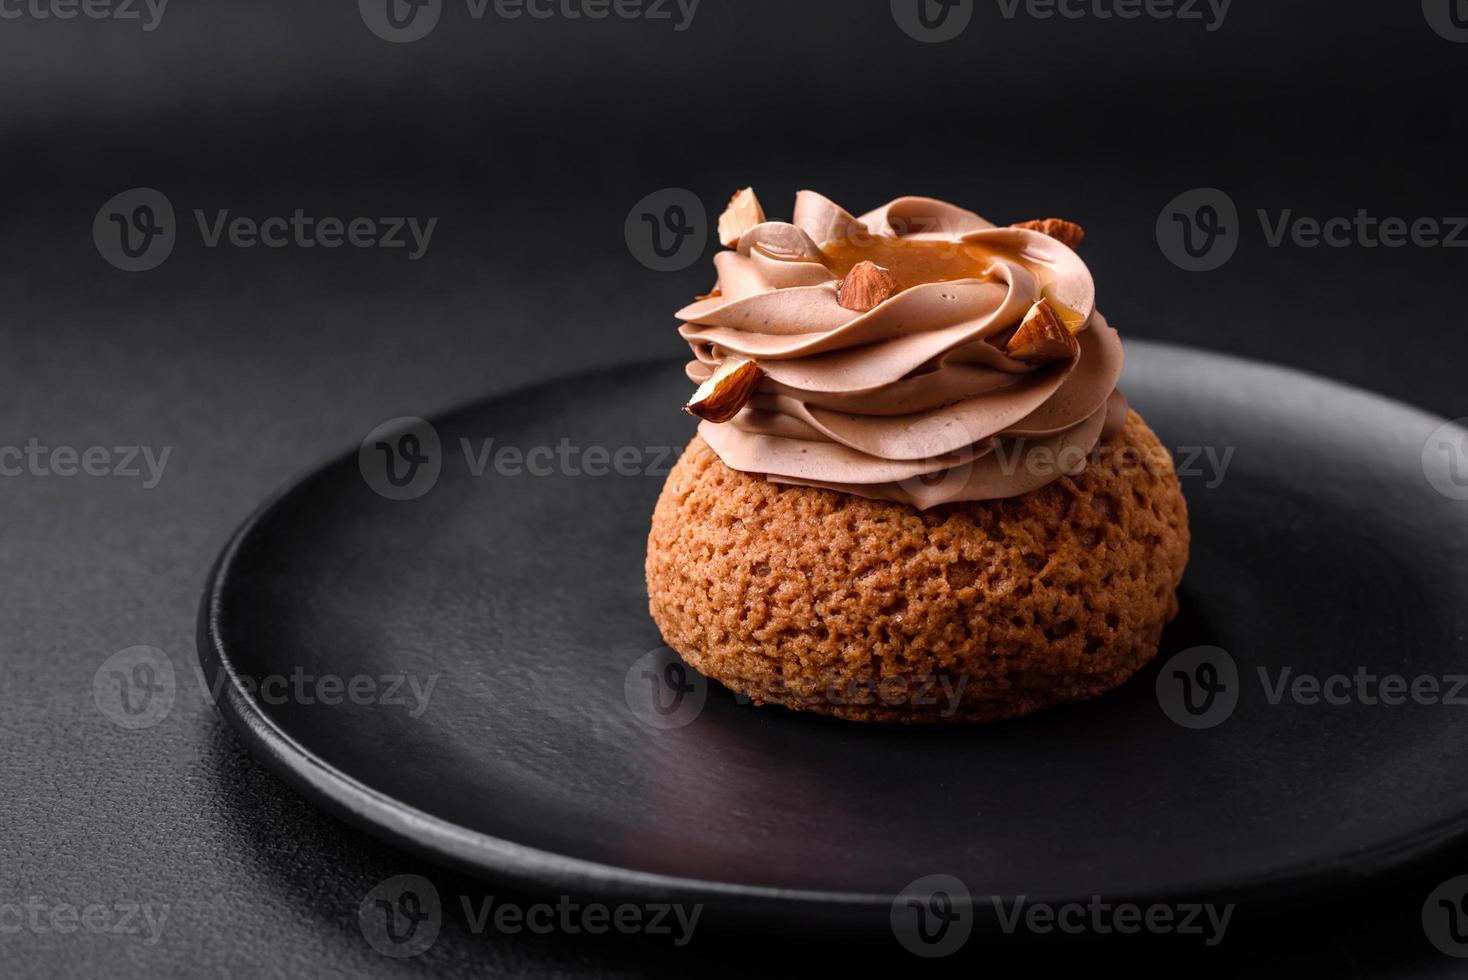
x=530 y=141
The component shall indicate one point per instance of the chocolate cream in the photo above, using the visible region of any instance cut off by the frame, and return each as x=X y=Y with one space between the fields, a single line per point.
x=916 y=400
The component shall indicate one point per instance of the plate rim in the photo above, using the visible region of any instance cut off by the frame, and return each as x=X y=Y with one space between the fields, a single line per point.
x=536 y=870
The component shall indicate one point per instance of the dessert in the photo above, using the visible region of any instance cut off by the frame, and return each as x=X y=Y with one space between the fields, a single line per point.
x=915 y=493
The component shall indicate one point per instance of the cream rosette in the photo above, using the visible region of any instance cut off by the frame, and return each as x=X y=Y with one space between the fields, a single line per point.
x=915 y=400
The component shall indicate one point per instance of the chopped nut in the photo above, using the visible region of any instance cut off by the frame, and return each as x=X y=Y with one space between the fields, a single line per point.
x=1068 y=233
x=742 y=214
x=721 y=397
x=865 y=287
x=1042 y=337
x=1074 y=320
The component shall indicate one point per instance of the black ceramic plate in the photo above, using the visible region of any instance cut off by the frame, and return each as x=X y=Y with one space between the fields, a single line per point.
x=1332 y=544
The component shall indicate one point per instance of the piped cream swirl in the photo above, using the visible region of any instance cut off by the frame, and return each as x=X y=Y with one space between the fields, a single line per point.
x=916 y=399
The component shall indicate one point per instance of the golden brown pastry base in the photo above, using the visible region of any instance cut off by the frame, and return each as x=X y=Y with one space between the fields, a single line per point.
x=874 y=611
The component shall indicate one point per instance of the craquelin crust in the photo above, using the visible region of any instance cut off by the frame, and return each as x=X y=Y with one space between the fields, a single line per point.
x=874 y=611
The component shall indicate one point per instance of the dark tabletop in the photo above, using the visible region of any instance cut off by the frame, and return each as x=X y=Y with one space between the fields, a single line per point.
x=530 y=140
